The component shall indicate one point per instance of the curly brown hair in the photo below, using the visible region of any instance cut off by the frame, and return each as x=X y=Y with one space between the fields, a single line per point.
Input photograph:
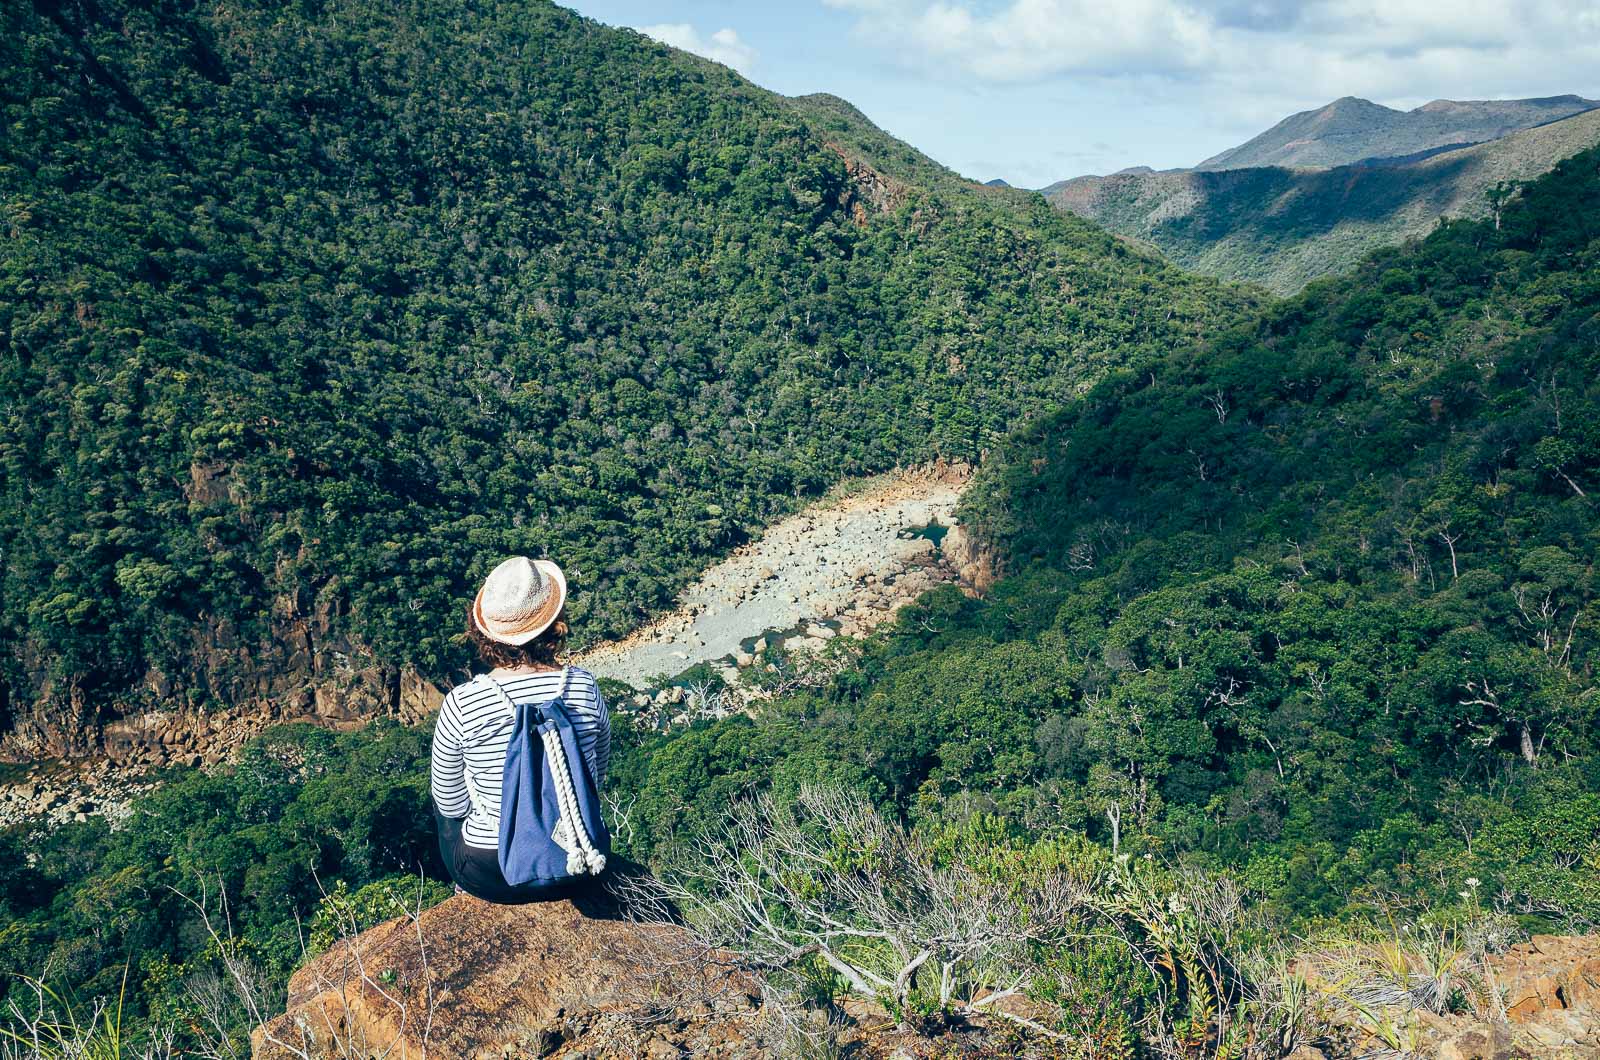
x=540 y=651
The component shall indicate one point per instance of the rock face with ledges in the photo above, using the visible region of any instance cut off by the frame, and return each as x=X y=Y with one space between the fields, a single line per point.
x=468 y=980
x=1552 y=994
x=1550 y=989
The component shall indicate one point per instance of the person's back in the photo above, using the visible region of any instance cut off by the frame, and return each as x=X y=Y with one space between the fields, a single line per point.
x=516 y=626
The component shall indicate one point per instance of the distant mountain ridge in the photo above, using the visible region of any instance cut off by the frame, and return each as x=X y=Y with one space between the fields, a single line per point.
x=1351 y=130
x=1284 y=227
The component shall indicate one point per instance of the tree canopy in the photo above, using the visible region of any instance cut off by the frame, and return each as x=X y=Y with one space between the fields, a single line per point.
x=327 y=308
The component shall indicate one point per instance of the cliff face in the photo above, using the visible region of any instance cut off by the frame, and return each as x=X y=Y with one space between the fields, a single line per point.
x=299 y=670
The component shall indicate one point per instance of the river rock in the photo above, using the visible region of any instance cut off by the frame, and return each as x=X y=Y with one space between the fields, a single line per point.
x=914 y=548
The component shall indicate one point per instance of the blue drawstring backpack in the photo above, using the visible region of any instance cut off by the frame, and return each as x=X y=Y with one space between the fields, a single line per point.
x=550 y=826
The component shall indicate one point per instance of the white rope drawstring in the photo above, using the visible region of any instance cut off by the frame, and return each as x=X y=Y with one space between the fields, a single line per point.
x=581 y=855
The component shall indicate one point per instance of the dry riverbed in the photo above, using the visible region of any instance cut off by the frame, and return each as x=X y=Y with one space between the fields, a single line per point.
x=838 y=568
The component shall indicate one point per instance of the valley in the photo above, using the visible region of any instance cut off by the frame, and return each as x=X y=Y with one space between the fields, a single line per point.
x=840 y=567
x=1020 y=644
x=1308 y=199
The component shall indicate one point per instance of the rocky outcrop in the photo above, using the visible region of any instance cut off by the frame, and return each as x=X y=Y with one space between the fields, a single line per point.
x=467 y=979
x=471 y=979
x=298 y=670
x=100 y=769
x=579 y=978
x=1539 y=999
x=1551 y=987
x=870 y=192
x=575 y=980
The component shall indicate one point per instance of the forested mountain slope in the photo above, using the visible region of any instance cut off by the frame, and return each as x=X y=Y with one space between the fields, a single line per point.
x=1312 y=603
x=1351 y=130
x=1284 y=227
x=309 y=313
x=1315 y=600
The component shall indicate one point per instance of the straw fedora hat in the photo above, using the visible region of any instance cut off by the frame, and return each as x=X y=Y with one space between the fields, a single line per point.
x=519 y=600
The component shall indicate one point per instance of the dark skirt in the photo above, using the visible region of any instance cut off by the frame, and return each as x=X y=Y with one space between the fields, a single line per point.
x=477 y=871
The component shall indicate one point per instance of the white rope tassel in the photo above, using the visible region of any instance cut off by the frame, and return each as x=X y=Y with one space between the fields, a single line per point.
x=581 y=855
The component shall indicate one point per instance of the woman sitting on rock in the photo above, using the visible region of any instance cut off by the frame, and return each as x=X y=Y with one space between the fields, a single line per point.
x=517 y=624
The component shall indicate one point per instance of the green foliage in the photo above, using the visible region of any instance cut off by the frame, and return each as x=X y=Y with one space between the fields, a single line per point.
x=302 y=811
x=297 y=323
x=1309 y=600
x=321 y=310
x=344 y=914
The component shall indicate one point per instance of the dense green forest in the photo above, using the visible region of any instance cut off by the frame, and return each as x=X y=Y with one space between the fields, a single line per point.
x=320 y=309
x=1301 y=593
x=1310 y=603
x=1314 y=601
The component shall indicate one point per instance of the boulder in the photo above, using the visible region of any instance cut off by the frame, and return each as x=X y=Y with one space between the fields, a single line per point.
x=976 y=565
x=1550 y=987
x=912 y=549
x=419 y=697
x=471 y=979
x=1552 y=973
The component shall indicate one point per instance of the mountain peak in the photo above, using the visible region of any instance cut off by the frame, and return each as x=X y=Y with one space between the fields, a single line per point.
x=831 y=102
x=1356 y=103
x=1352 y=129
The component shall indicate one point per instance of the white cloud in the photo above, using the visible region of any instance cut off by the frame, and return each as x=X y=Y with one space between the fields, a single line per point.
x=1273 y=50
x=723 y=46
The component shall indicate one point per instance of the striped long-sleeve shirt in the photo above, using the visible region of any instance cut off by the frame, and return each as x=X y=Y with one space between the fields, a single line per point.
x=471 y=735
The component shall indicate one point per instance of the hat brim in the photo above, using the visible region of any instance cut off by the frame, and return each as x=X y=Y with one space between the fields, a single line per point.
x=542 y=621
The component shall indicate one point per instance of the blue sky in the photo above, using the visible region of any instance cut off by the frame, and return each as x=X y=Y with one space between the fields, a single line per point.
x=1039 y=90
